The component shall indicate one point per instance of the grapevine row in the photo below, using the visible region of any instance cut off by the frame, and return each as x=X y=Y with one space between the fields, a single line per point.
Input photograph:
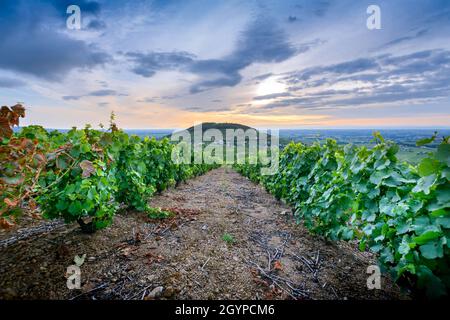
x=82 y=174
x=399 y=211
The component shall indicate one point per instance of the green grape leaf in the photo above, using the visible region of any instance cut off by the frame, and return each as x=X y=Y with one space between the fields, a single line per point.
x=432 y=250
x=424 y=184
x=428 y=166
x=425 y=141
x=404 y=247
x=427 y=236
x=443 y=153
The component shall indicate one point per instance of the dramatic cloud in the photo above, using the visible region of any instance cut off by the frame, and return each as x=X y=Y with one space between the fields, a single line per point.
x=272 y=96
x=11 y=83
x=148 y=100
x=96 y=25
x=33 y=46
x=420 y=76
x=349 y=67
x=147 y=64
x=97 y=93
x=262 y=77
x=262 y=41
x=71 y=98
x=53 y=55
x=105 y=93
x=397 y=41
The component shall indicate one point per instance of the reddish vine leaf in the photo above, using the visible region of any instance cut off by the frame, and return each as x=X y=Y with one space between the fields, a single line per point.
x=11 y=203
x=5 y=224
x=9 y=117
x=87 y=167
x=5 y=129
x=19 y=110
x=277 y=265
x=32 y=204
x=4 y=112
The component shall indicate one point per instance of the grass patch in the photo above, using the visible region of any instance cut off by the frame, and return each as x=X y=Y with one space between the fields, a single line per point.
x=158 y=213
x=228 y=238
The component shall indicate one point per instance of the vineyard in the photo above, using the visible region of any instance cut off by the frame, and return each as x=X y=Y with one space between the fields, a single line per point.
x=392 y=210
x=82 y=173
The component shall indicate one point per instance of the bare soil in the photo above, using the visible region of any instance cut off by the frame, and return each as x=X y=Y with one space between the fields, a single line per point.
x=266 y=254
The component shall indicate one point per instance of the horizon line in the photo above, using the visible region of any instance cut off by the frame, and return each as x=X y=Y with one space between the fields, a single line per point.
x=280 y=128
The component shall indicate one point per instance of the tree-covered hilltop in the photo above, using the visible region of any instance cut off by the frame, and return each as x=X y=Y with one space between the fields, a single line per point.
x=223 y=127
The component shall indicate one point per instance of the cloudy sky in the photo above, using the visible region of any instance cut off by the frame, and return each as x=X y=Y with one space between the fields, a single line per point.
x=171 y=63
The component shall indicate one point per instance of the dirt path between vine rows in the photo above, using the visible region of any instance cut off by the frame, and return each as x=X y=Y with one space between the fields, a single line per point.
x=267 y=255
